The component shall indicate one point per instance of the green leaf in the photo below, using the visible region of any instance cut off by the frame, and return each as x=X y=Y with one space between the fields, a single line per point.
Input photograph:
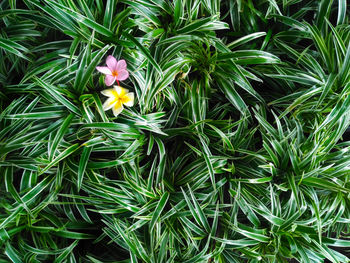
x=14 y=48
x=341 y=12
x=245 y=39
x=12 y=254
x=85 y=74
x=66 y=252
x=324 y=184
x=82 y=165
x=52 y=90
x=59 y=135
x=246 y=57
x=71 y=149
x=157 y=212
x=144 y=51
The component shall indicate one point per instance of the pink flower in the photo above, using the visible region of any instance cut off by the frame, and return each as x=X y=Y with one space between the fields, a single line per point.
x=115 y=70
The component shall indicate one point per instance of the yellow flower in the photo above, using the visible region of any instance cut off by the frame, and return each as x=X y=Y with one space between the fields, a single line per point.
x=118 y=97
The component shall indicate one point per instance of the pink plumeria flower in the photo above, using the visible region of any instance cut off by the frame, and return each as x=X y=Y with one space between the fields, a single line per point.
x=117 y=97
x=115 y=70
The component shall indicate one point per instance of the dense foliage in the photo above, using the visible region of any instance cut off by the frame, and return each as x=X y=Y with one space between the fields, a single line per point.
x=236 y=149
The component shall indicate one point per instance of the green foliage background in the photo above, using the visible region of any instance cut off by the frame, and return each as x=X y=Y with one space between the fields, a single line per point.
x=237 y=149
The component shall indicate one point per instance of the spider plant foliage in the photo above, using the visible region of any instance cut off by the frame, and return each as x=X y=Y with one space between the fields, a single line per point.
x=233 y=147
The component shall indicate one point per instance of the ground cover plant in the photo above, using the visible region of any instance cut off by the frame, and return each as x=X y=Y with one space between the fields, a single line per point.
x=228 y=140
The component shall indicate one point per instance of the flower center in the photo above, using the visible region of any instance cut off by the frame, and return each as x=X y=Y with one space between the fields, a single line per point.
x=115 y=73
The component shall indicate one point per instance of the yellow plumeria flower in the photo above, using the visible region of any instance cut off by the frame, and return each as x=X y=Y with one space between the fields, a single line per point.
x=118 y=97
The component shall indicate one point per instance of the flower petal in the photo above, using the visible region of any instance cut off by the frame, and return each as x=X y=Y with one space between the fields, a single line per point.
x=117 y=108
x=121 y=65
x=109 y=93
x=111 y=63
x=122 y=74
x=104 y=70
x=128 y=99
x=120 y=91
x=109 y=103
x=109 y=80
